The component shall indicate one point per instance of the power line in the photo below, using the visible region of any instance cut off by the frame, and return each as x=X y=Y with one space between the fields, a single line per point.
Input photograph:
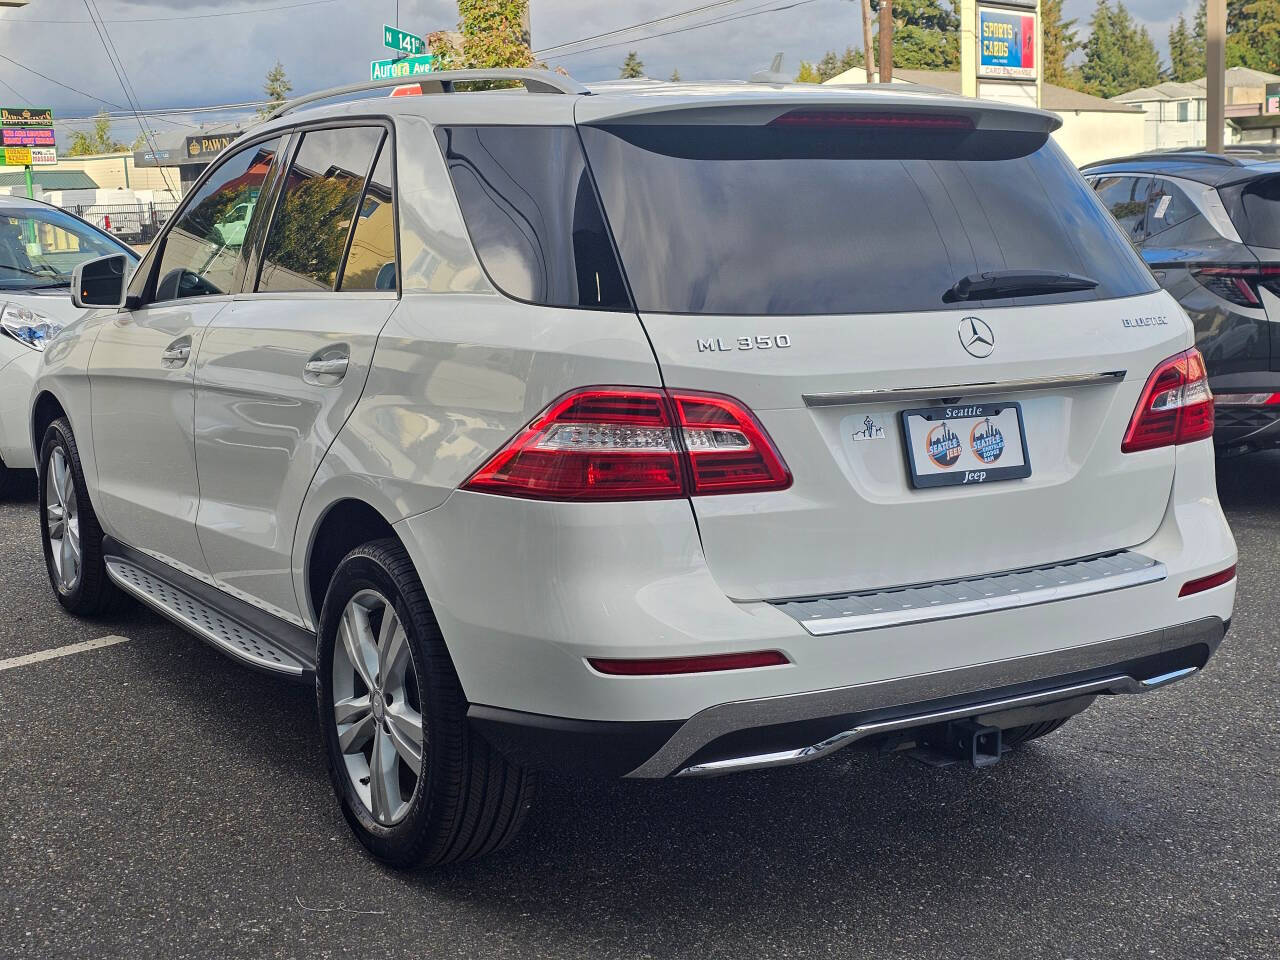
x=636 y=26
x=90 y=96
x=193 y=16
x=122 y=75
x=692 y=26
x=162 y=112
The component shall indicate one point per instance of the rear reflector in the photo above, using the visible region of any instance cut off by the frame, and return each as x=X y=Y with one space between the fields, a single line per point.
x=1176 y=405
x=845 y=118
x=709 y=664
x=635 y=443
x=1246 y=399
x=1209 y=582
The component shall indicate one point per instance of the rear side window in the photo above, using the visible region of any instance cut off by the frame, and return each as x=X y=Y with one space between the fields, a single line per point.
x=371 y=263
x=316 y=210
x=1126 y=198
x=202 y=250
x=825 y=217
x=532 y=214
x=1167 y=208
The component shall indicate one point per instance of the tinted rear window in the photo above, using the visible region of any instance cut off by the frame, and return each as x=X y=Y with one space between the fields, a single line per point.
x=1257 y=212
x=782 y=220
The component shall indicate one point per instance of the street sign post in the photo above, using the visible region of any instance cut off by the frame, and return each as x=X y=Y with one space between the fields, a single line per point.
x=407 y=67
x=403 y=41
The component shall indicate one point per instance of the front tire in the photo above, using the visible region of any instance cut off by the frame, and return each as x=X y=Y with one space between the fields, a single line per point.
x=417 y=786
x=69 y=530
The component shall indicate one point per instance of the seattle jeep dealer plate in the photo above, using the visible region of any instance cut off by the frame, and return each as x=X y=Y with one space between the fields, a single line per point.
x=966 y=443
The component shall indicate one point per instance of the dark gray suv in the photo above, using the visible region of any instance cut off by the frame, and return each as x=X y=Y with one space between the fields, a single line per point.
x=1208 y=225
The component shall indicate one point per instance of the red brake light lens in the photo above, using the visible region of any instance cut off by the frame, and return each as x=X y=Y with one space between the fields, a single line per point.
x=635 y=443
x=846 y=118
x=707 y=664
x=1176 y=406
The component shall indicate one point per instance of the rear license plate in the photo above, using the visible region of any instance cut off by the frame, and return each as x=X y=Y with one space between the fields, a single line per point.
x=968 y=443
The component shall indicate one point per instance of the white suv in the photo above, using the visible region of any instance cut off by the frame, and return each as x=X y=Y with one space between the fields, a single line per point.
x=649 y=430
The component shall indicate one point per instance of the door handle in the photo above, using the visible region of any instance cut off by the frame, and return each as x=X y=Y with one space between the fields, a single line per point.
x=176 y=354
x=332 y=367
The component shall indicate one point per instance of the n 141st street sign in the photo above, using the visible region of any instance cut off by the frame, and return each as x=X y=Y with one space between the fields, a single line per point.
x=408 y=67
x=402 y=40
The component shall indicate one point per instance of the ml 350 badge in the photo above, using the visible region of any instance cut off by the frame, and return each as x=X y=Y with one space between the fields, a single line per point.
x=975 y=443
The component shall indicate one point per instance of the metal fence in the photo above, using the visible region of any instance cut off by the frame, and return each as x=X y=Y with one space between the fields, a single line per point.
x=129 y=222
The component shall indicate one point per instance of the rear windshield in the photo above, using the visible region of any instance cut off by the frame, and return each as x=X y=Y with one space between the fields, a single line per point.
x=818 y=219
x=1256 y=212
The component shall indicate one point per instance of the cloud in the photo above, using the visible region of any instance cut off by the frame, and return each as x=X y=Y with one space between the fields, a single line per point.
x=187 y=62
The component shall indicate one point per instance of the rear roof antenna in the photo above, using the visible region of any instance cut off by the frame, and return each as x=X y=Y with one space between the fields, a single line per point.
x=773 y=75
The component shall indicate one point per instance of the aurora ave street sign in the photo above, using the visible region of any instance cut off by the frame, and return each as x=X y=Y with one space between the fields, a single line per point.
x=408 y=67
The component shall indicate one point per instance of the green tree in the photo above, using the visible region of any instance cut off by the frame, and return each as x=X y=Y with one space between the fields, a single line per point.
x=277 y=88
x=926 y=34
x=808 y=73
x=1119 y=55
x=1253 y=34
x=1059 y=39
x=1184 y=64
x=632 y=67
x=675 y=75
x=98 y=140
x=828 y=66
x=495 y=33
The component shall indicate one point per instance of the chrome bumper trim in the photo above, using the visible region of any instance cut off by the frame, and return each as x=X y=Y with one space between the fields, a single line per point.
x=873 y=609
x=983 y=389
x=714 y=722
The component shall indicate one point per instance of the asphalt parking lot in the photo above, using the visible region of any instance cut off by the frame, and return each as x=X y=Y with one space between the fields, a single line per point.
x=159 y=801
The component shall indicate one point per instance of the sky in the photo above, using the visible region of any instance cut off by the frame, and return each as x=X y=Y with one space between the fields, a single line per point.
x=187 y=53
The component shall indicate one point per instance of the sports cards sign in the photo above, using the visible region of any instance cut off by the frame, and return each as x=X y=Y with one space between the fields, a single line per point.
x=1007 y=44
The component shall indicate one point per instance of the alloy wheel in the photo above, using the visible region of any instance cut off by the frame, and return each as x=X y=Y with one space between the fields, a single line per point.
x=377 y=706
x=62 y=521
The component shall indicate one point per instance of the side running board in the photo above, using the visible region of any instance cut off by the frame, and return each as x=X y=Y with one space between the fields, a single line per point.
x=230 y=634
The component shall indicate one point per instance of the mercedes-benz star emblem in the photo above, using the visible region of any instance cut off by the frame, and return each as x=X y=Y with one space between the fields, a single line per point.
x=976 y=337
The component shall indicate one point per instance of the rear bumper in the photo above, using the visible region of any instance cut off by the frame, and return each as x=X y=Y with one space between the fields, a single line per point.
x=783 y=730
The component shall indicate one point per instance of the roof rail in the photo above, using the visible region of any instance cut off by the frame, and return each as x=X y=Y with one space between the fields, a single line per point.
x=1181 y=155
x=442 y=81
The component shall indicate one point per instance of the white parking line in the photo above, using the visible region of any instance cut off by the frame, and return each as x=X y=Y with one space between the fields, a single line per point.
x=56 y=652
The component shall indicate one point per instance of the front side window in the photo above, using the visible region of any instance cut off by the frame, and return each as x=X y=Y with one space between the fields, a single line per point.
x=202 y=250
x=40 y=247
x=533 y=215
x=318 y=203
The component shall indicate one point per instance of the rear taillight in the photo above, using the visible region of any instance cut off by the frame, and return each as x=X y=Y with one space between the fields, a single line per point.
x=1240 y=284
x=1176 y=405
x=635 y=443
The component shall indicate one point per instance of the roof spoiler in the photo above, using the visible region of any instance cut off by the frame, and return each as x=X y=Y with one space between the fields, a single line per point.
x=759 y=106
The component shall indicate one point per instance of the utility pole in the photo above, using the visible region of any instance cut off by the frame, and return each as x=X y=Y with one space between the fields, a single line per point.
x=869 y=58
x=886 y=41
x=1215 y=49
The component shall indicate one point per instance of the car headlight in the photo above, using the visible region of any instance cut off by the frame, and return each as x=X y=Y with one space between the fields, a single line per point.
x=29 y=328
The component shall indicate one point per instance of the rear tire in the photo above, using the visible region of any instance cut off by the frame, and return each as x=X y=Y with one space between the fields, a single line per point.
x=69 y=530
x=392 y=692
x=1017 y=736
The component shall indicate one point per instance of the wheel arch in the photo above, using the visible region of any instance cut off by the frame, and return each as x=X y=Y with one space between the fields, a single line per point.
x=342 y=526
x=45 y=409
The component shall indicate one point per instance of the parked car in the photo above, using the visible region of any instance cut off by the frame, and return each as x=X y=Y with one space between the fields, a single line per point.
x=40 y=245
x=647 y=432
x=1208 y=225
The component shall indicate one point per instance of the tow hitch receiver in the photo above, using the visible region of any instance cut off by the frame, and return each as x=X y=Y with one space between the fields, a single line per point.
x=960 y=741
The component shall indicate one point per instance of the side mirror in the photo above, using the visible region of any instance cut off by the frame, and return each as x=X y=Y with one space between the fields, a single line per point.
x=100 y=282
